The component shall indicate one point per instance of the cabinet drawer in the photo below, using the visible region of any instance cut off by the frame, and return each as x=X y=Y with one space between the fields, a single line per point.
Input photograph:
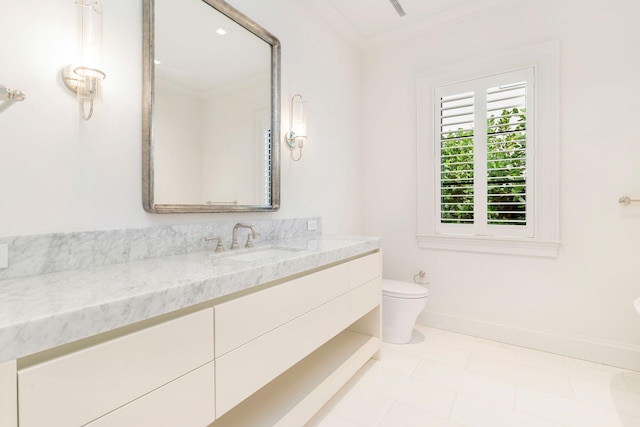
x=8 y=397
x=364 y=269
x=246 y=318
x=244 y=370
x=79 y=387
x=364 y=299
x=185 y=402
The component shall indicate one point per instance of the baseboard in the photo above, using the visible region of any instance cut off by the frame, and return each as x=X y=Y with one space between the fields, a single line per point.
x=607 y=352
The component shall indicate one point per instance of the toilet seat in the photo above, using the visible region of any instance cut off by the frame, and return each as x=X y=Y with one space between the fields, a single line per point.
x=398 y=289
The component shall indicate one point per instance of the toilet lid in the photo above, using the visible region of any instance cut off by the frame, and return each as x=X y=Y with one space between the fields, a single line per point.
x=399 y=289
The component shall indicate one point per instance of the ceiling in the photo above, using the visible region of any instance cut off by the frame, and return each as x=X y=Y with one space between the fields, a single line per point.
x=371 y=22
x=195 y=57
x=190 y=50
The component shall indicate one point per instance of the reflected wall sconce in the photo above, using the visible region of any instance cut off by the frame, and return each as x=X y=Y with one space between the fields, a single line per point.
x=297 y=125
x=86 y=79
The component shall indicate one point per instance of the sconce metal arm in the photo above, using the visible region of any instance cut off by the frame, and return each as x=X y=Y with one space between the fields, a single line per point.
x=89 y=79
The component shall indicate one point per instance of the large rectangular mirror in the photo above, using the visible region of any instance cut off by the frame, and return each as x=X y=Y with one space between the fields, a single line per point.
x=211 y=109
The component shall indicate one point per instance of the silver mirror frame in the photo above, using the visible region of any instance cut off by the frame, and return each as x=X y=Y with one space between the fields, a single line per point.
x=148 y=84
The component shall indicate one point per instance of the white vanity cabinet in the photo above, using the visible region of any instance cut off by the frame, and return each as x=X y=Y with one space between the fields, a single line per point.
x=8 y=397
x=262 y=335
x=269 y=357
x=82 y=386
x=187 y=401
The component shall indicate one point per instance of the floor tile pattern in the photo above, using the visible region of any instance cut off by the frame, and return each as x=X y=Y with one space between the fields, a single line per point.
x=444 y=379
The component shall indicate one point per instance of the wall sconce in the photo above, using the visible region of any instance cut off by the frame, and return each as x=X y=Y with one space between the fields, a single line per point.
x=86 y=79
x=297 y=125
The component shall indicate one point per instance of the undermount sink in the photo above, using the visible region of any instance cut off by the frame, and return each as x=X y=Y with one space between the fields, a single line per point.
x=636 y=304
x=259 y=254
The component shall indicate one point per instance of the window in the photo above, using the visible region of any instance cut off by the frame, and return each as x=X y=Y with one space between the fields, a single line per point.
x=487 y=156
x=483 y=132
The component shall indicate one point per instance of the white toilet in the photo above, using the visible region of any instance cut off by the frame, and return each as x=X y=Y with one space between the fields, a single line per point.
x=402 y=302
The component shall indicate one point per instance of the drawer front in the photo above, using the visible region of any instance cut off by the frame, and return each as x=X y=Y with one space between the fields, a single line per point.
x=365 y=269
x=77 y=388
x=8 y=397
x=364 y=299
x=243 y=371
x=246 y=318
x=185 y=402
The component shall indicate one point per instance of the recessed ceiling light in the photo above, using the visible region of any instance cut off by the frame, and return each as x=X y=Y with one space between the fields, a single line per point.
x=221 y=31
x=155 y=61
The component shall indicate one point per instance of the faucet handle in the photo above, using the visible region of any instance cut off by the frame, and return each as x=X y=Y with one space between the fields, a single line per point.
x=219 y=247
x=252 y=235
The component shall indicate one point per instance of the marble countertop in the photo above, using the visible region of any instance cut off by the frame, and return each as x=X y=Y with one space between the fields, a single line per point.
x=44 y=311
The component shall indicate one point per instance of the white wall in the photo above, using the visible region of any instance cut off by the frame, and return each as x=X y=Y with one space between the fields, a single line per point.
x=581 y=302
x=58 y=173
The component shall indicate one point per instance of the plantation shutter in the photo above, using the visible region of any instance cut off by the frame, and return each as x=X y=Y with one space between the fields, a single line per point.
x=457 y=158
x=507 y=154
x=484 y=140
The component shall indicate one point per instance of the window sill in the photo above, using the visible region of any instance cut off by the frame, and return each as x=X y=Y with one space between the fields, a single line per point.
x=491 y=245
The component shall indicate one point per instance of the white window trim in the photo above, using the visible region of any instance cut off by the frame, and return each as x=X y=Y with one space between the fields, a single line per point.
x=546 y=240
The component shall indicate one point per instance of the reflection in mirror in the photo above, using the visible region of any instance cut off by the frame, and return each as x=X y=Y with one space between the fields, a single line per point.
x=211 y=107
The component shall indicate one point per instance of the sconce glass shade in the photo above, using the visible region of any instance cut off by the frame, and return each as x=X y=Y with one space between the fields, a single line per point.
x=298 y=124
x=89 y=69
x=299 y=121
x=86 y=79
x=91 y=22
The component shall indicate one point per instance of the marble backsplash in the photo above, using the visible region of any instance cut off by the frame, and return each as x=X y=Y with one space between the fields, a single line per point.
x=49 y=253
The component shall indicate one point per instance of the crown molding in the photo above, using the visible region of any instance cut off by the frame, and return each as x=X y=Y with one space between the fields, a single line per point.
x=337 y=21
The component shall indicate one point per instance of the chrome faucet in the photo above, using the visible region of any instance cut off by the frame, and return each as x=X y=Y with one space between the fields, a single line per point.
x=253 y=234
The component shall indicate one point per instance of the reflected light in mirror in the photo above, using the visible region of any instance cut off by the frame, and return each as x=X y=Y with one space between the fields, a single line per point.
x=298 y=125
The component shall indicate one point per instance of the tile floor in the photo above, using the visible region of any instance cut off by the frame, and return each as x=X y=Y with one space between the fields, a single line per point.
x=444 y=379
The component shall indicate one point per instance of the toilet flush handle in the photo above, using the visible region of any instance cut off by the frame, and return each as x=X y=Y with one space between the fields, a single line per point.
x=419 y=277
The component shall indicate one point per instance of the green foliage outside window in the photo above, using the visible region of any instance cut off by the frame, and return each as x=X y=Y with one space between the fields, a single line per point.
x=457 y=176
x=506 y=171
